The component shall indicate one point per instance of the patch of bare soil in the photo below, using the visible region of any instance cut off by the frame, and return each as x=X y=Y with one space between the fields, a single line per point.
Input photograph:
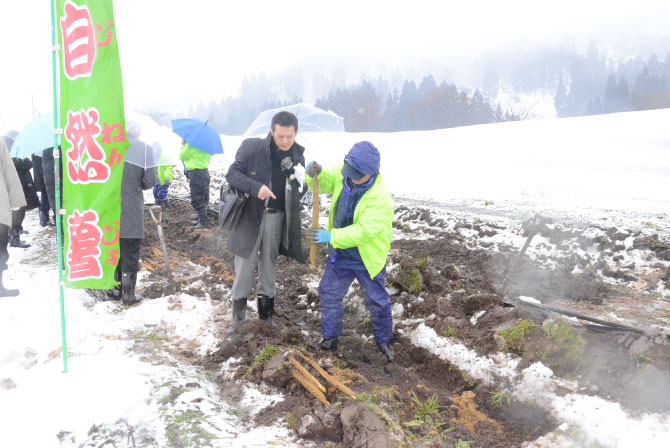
x=418 y=400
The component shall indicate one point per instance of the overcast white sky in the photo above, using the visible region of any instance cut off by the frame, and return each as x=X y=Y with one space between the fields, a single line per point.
x=177 y=52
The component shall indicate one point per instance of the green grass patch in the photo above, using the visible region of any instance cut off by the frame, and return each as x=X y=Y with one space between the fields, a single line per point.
x=415 y=282
x=268 y=352
x=500 y=397
x=424 y=412
x=449 y=332
x=515 y=336
x=291 y=421
x=564 y=347
x=185 y=429
x=468 y=379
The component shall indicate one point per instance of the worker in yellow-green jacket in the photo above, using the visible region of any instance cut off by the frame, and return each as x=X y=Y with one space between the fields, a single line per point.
x=161 y=187
x=359 y=239
x=196 y=168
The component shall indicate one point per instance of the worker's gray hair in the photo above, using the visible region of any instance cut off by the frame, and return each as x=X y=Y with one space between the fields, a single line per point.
x=133 y=128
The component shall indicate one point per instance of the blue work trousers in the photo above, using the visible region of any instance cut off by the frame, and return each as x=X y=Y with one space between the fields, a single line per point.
x=161 y=191
x=334 y=286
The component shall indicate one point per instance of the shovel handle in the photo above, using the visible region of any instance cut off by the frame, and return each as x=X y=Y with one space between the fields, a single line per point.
x=164 y=247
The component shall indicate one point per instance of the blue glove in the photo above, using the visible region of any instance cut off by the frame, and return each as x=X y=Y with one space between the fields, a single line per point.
x=319 y=236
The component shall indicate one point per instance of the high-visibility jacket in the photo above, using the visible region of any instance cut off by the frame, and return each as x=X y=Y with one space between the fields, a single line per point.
x=372 y=228
x=194 y=158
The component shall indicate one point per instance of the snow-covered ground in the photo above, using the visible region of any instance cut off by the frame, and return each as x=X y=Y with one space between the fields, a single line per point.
x=611 y=170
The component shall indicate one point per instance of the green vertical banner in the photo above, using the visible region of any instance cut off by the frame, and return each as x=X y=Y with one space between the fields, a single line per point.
x=93 y=143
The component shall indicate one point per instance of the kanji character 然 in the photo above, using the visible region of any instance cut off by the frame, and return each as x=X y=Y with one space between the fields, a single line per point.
x=81 y=131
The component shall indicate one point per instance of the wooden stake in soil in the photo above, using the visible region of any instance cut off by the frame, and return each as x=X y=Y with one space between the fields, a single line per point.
x=315 y=219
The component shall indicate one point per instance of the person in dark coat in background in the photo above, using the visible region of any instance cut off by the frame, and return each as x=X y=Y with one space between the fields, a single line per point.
x=135 y=179
x=11 y=197
x=23 y=167
x=49 y=174
x=41 y=187
x=271 y=170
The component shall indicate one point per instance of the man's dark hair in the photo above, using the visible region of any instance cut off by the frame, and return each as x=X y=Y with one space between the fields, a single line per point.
x=285 y=119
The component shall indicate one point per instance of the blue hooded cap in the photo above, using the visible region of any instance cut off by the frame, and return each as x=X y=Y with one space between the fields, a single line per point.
x=362 y=159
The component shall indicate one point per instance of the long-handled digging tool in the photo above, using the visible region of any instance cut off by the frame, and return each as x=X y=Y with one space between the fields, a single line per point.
x=601 y=325
x=171 y=282
x=533 y=230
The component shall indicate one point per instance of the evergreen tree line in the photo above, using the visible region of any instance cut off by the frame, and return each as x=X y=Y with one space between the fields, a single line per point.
x=364 y=107
x=426 y=107
x=648 y=92
x=581 y=84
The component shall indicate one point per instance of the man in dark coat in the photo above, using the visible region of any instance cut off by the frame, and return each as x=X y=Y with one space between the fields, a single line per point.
x=48 y=163
x=41 y=187
x=271 y=170
x=135 y=179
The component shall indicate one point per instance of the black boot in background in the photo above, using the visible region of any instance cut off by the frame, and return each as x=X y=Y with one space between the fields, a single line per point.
x=15 y=239
x=115 y=292
x=239 y=314
x=44 y=219
x=266 y=306
x=4 y=292
x=128 y=280
x=202 y=219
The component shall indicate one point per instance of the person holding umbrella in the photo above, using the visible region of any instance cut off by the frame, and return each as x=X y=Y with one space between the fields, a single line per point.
x=271 y=170
x=139 y=173
x=359 y=239
x=196 y=164
x=200 y=142
x=11 y=197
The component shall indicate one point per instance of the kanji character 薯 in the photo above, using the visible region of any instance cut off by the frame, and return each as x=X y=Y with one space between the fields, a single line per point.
x=84 y=248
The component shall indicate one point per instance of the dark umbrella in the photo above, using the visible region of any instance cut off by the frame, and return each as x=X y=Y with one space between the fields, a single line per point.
x=198 y=134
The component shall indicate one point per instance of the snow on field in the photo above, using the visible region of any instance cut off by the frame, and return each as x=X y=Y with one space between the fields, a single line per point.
x=612 y=170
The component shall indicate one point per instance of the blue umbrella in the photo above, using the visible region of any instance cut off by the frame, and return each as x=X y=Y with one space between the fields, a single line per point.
x=198 y=134
x=36 y=136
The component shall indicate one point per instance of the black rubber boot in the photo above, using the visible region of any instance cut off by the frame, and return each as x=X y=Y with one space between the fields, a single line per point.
x=385 y=350
x=115 y=292
x=44 y=219
x=128 y=280
x=328 y=344
x=4 y=292
x=202 y=219
x=15 y=241
x=266 y=306
x=239 y=314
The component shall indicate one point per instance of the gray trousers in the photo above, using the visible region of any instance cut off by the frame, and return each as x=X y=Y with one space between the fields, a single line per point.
x=264 y=253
